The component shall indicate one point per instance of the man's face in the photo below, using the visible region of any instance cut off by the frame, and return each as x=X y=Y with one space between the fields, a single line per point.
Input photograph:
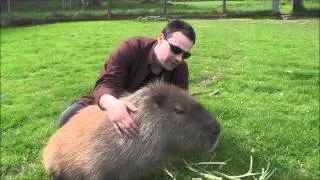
x=173 y=49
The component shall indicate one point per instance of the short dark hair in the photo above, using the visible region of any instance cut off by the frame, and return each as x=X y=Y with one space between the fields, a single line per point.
x=182 y=26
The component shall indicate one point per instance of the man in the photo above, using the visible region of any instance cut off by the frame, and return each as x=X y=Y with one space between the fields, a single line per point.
x=134 y=63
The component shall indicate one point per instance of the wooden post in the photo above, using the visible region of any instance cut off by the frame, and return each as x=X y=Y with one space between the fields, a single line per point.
x=224 y=6
x=275 y=6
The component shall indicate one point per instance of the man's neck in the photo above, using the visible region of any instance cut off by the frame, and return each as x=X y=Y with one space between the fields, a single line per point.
x=156 y=68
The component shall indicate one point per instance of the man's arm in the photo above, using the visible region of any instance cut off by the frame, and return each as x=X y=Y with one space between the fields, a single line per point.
x=113 y=74
x=110 y=85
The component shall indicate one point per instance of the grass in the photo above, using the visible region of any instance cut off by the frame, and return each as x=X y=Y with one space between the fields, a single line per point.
x=53 y=9
x=266 y=72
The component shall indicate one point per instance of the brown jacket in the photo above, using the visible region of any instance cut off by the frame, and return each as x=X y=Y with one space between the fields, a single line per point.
x=128 y=69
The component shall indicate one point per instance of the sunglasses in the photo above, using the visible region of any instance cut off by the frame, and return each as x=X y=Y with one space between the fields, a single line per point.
x=176 y=50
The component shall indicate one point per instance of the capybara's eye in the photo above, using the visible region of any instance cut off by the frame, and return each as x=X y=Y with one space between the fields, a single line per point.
x=178 y=110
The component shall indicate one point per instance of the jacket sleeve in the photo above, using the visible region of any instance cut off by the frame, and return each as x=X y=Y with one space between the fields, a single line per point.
x=112 y=76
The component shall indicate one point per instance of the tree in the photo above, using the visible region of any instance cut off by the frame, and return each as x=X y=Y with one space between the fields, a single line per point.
x=109 y=9
x=297 y=6
x=6 y=4
x=165 y=7
x=275 y=6
x=224 y=6
x=94 y=2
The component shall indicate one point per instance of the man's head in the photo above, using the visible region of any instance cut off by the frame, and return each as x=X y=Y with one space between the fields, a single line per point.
x=174 y=44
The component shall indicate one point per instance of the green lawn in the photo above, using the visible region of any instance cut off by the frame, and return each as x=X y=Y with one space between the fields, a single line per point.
x=53 y=8
x=266 y=72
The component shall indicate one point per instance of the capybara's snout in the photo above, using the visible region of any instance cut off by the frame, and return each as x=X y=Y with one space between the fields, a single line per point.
x=212 y=129
x=215 y=130
x=215 y=127
x=209 y=123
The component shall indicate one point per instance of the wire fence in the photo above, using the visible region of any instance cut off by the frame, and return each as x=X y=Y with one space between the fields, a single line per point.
x=46 y=9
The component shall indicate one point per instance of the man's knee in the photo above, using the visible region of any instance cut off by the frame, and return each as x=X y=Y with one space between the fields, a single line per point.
x=69 y=112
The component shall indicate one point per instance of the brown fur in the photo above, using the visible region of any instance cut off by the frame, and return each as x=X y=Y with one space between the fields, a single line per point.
x=171 y=122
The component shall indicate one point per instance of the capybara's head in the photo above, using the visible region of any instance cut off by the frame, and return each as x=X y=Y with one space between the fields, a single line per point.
x=174 y=119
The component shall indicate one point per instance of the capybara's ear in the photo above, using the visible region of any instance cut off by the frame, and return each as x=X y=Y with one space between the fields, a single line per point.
x=159 y=99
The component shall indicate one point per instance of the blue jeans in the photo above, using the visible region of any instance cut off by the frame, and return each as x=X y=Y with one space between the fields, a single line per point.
x=69 y=112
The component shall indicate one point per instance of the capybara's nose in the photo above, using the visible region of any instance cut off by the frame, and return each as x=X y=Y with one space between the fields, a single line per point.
x=212 y=127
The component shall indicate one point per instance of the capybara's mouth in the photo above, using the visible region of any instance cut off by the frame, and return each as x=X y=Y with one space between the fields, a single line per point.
x=215 y=144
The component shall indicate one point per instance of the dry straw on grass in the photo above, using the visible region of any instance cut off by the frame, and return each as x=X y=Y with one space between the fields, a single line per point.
x=216 y=175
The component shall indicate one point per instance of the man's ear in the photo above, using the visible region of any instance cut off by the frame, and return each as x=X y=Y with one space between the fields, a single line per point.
x=160 y=37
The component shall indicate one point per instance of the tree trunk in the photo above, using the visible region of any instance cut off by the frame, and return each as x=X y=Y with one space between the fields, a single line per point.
x=224 y=6
x=275 y=6
x=297 y=6
x=9 y=6
x=94 y=2
x=63 y=5
x=109 y=9
x=146 y=1
x=165 y=7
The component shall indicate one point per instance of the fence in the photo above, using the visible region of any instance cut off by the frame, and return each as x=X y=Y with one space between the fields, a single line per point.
x=46 y=9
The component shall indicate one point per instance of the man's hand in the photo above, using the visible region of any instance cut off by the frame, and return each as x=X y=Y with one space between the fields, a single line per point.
x=117 y=113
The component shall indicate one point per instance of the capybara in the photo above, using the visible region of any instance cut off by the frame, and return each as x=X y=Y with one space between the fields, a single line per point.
x=171 y=122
